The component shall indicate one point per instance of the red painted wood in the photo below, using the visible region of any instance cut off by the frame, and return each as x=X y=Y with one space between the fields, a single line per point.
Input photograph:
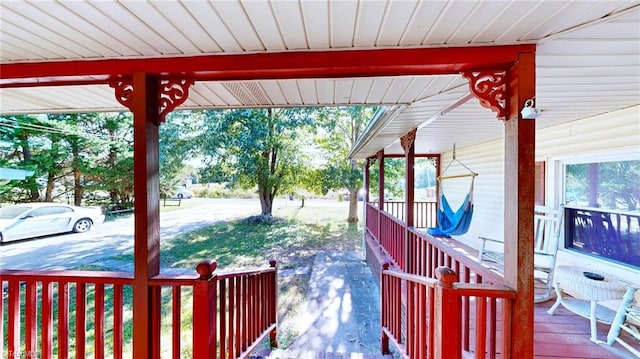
x=176 y=322
x=222 y=308
x=285 y=65
x=13 y=345
x=447 y=336
x=258 y=317
x=99 y=320
x=63 y=320
x=146 y=309
x=465 y=278
x=493 y=329
x=205 y=315
x=69 y=276
x=481 y=327
x=2 y=283
x=431 y=320
x=81 y=313
x=519 y=202
x=47 y=319
x=118 y=304
x=30 y=317
x=234 y=348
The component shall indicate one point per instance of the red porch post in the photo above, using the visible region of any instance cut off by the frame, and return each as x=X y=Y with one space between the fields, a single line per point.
x=519 y=202
x=408 y=144
x=380 y=156
x=146 y=310
x=367 y=180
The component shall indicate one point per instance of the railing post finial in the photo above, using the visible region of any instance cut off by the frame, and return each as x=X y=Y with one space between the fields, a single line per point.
x=446 y=276
x=273 y=262
x=206 y=268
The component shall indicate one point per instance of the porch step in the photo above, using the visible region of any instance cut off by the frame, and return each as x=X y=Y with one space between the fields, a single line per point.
x=301 y=354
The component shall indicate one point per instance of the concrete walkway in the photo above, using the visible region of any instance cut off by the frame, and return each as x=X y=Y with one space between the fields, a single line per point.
x=343 y=307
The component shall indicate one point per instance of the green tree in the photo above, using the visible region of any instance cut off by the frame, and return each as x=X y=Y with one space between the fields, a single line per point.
x=258 y=148
x=342 y=126
x=394 y=171
x=22 y=140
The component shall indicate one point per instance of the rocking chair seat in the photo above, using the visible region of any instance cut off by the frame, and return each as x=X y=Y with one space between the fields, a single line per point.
x=547 y=225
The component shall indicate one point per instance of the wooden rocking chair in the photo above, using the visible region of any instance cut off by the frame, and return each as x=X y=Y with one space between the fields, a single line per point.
x=628 y=319
x=547 y=229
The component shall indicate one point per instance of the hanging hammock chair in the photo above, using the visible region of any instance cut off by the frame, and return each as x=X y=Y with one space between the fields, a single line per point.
x=450 y=222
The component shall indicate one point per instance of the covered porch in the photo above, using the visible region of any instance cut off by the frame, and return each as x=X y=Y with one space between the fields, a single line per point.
x=445 y=68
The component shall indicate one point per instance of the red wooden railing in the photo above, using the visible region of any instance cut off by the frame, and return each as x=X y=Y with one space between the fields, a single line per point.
x=422 y=316
x=419 y=256
x=424 y=212
x=229 y=313
x=372 y=219
x=393 y=238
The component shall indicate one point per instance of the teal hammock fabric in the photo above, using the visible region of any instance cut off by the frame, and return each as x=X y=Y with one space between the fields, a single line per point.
x=450 y=222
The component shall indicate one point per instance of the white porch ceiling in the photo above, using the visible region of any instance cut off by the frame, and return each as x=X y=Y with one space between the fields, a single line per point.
x=588 y=55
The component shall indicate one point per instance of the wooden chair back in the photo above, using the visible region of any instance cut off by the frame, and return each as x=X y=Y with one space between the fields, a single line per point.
x=547 y=228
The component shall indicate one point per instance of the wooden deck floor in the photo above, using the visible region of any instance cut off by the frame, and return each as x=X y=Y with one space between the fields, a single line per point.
x=566 y=335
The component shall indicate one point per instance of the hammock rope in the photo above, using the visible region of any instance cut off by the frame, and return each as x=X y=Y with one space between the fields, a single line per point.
x=458 y=222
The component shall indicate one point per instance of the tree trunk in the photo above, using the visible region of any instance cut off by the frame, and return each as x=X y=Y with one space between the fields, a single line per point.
x=353 y=206
x=266 y=201
x=34 y=194
x=51 y=179
x=77 y=187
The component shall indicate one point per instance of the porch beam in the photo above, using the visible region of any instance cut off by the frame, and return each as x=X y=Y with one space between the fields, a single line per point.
x=519 y=203
x=262 y=66
x=146 y=190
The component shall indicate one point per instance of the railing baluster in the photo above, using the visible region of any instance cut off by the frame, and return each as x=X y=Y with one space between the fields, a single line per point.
x=176 y=322
x=492 y=327
x=81 y=305
x=30 y=316
x=231 y=320
x=466 y=312
x=47 y=319
x=14 y=317
x=481 y=327
x=99 y=320
x=118 y=304
x=63 y=320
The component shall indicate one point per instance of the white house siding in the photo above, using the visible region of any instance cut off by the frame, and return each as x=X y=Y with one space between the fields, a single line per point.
x=606 y=133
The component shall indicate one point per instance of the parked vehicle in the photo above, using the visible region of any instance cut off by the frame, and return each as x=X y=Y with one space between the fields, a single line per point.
x=39 y=219
x=183 y=192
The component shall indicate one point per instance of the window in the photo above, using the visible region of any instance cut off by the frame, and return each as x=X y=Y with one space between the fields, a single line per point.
x=45 y=211
x=602 y=216
x=609 y=185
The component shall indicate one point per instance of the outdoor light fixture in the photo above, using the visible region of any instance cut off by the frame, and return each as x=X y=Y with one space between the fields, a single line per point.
x=528 y=111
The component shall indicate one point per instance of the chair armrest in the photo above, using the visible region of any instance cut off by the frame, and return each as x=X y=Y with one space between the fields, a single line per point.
x=484 y=239
x=544 y=254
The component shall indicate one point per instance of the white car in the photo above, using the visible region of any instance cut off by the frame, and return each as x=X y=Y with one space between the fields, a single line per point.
x=39 y=219
x=182 y=192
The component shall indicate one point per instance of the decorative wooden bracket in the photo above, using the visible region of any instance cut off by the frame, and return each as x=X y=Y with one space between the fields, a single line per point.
x=172 y=92
x=407 y=140
x=490 y=87
x=370 y=161
x=380 y=155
